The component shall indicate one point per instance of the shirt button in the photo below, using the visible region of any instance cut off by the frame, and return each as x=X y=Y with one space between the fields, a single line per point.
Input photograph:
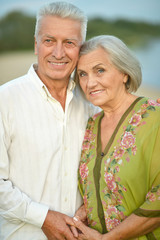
x=65 y=199
x=65 y=174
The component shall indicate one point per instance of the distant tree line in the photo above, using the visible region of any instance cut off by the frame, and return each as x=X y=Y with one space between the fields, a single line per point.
x=17 y=31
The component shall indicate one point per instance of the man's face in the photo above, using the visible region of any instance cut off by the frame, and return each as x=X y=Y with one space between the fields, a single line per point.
x=57 y=48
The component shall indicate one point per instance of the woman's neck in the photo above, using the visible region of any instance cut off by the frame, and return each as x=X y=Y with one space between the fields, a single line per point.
x=118 y=106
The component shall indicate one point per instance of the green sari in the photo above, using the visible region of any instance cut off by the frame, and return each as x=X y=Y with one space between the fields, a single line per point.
x=125 y=178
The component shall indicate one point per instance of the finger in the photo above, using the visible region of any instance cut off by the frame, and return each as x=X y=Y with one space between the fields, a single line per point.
x=81 y=237
x=74 y=231
x=69 y=221
x=69 y=234
x=79 y=224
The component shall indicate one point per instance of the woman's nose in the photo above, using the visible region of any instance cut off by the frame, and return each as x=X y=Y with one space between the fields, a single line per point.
x=91 y=83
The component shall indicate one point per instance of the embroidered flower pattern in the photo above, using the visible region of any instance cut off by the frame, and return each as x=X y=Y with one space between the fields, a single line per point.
x=135 y=120
x=153 y=194
x=83 y=171
x=114 y=190
x=111 y=223
x=128 y=140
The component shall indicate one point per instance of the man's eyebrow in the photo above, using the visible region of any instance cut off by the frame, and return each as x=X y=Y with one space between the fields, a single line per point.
x=72 y=39
x=48 y=36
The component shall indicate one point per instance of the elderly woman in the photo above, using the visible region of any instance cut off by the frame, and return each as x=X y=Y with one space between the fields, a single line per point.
x=119 y=172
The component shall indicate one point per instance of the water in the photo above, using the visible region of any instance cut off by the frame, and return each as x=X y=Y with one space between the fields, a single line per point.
x=149 y=58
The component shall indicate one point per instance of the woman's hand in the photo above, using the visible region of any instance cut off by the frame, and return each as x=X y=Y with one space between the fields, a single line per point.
x=81 y=215
x=86 y=232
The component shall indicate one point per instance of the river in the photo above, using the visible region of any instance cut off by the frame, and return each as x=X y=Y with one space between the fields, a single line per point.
x=149 y=58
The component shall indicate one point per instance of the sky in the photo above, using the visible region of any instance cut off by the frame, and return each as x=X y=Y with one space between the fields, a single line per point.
x=143 y=10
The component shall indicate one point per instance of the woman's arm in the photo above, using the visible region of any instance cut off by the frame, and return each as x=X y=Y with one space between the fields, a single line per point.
x=133 y=226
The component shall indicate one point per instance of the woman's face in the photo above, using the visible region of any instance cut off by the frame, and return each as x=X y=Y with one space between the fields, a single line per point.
x=101 y=82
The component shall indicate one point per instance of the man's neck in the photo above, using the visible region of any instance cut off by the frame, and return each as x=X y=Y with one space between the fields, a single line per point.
x=58 y=90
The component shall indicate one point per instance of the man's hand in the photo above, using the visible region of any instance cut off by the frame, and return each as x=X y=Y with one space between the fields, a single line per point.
x=56 y=226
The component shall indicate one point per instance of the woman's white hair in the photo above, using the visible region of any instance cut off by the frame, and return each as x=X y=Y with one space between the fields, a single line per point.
x=62 y=10
x=120 y=56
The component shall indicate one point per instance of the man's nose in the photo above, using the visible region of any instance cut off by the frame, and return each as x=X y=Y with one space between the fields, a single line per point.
x=58 y=51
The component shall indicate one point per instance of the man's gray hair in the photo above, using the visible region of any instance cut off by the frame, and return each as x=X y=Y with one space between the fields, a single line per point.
x=119 y=55
x=62 y=10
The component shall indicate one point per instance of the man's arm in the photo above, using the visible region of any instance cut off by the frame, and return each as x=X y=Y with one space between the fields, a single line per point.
x=16 y=206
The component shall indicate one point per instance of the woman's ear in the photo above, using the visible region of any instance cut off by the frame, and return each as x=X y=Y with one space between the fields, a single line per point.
x=125 y=78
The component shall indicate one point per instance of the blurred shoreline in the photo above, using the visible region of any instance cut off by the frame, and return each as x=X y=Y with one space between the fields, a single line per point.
x=16 y=64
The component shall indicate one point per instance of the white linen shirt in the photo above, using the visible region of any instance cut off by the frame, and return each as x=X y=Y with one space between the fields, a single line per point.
x=40 y=147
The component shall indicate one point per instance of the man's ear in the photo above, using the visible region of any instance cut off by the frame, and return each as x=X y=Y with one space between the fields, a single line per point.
x=35 y=46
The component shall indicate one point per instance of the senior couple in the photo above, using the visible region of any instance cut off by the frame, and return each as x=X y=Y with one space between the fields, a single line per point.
x=49 y=120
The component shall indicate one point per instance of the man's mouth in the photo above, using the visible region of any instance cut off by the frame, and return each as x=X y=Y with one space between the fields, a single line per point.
x=58 y=63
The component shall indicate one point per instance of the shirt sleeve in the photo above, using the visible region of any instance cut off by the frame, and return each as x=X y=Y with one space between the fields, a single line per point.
x=16 y=206
x=151 y=205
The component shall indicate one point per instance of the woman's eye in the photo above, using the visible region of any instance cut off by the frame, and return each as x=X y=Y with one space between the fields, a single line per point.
x=82 y=74
x=101 y=70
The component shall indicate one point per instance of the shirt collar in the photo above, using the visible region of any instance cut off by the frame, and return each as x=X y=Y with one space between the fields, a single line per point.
x=42 y=87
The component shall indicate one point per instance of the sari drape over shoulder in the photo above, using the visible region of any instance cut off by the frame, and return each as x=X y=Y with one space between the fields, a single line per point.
x=125 y=178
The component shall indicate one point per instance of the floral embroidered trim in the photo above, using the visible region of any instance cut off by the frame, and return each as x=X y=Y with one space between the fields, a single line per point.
x=153 y=194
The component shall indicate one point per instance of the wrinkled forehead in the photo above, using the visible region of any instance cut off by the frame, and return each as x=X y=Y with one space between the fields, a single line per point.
x=93 y=58
x=63 y=27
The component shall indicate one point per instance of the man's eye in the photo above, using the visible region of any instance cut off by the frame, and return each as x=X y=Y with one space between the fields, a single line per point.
x=48 y=40
x=70 y=44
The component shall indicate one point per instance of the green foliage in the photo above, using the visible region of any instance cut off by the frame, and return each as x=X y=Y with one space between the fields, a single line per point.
x=17 y=31
x=132 y=33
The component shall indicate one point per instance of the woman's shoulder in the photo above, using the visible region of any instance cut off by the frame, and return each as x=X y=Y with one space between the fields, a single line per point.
x=147 y=103
x=149 y=110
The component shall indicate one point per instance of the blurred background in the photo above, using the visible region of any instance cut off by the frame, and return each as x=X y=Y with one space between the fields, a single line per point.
x=136 y=22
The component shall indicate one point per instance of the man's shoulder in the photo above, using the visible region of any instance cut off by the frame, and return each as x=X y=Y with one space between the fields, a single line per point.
x=14 y=84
